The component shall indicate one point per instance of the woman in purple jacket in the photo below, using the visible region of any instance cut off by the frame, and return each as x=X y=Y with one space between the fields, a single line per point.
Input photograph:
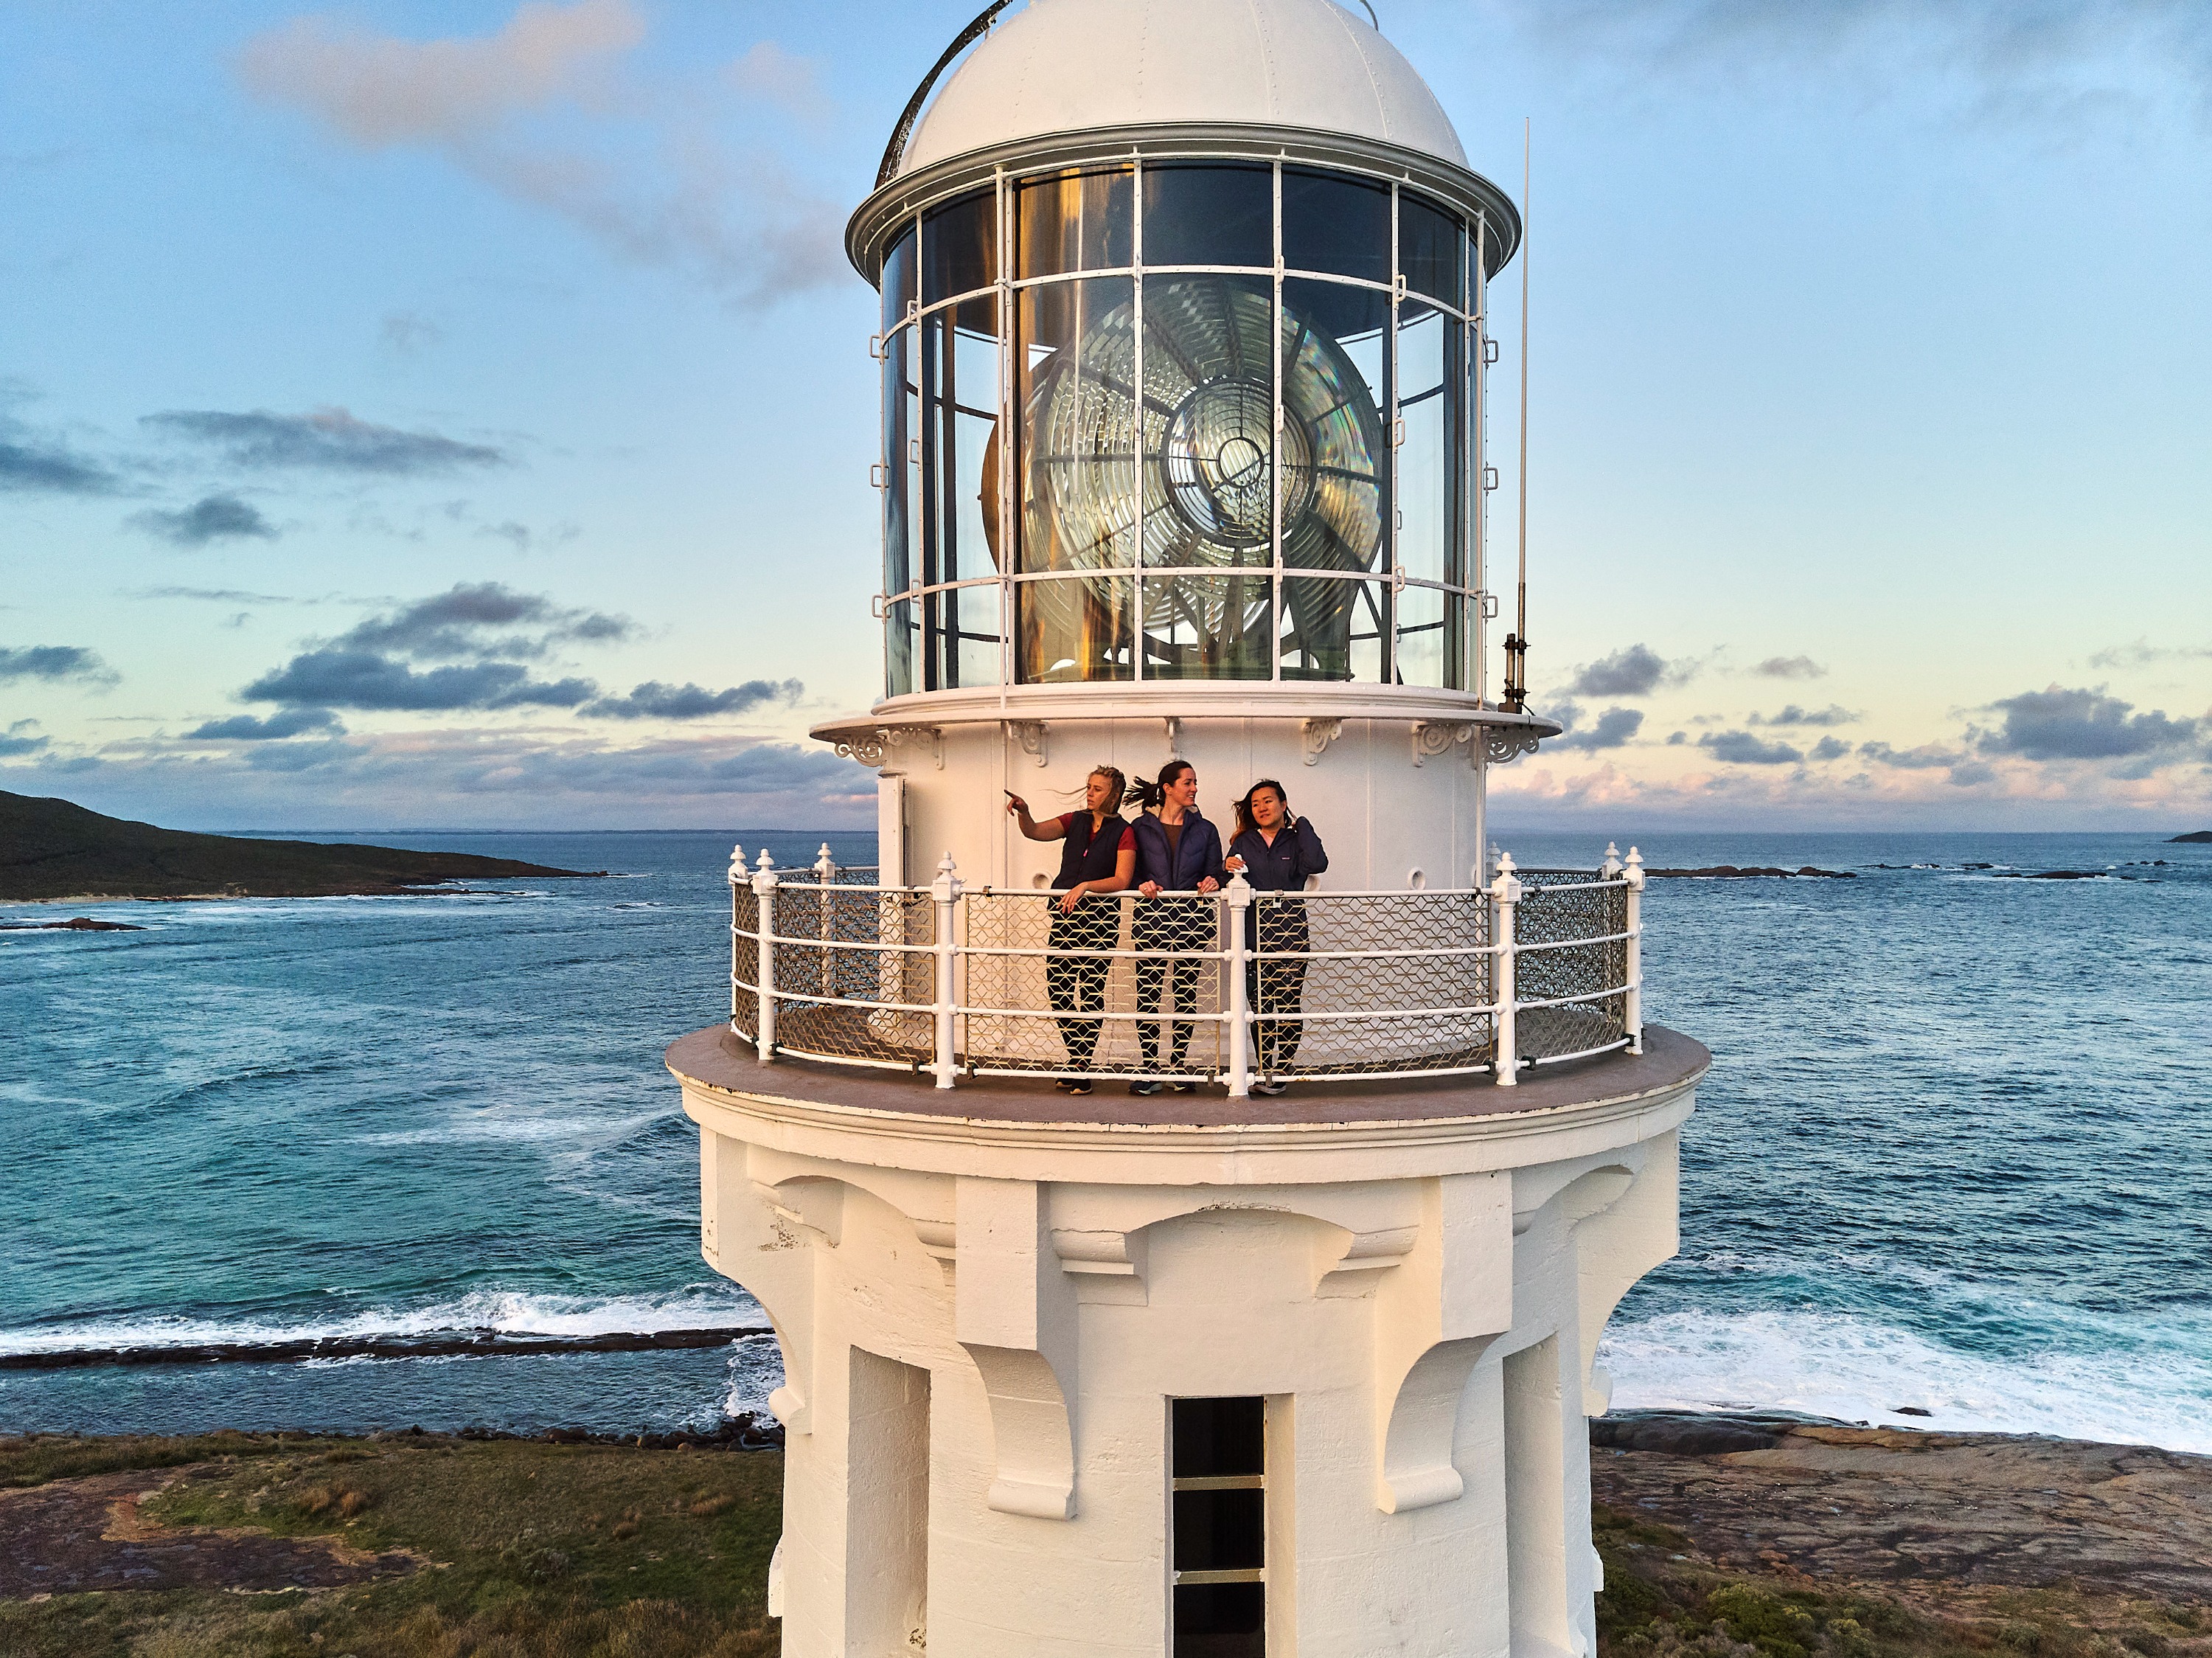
x=1177 y=851
x=1275 y=852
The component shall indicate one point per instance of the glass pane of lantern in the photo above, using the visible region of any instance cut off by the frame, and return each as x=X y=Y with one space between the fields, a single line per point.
x=1210 y=216
x=1336 y=448
x=1075 y=346
x=1333 y=224
x=902 y=426
x=1431 y=379
x=1209 y=419
x=1431 y=251
x=1073 y=222
x=960 y=396
x=1209 y=627
x=898 y=281
x=959 y=247
x=1332 y=628
x=901 y=649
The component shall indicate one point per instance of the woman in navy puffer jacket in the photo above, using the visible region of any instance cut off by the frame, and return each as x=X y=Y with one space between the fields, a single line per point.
x=1177 y=851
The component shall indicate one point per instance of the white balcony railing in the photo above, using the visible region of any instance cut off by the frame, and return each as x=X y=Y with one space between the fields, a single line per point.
x=951 y=981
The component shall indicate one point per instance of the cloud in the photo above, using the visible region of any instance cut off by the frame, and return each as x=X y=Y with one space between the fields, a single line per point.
x=1613 y=729
x=654 y=701
x=1790 y=667
x=2016 y=61
x=367 y=679
x=791 y=82
x=220 y=595
x=33 y=466
x=244 y=728
x=459 y=622
x=735 y=219
x=1741 y=748
x=212 y=518
x=2061 y=724
x=55 y=662
x=408 y=335
x=18 y=739
x=1834 y=714
x=2143 y=654
x=1637 y=671
x=330 y=440
x=1963 y=768
x=1831 y=748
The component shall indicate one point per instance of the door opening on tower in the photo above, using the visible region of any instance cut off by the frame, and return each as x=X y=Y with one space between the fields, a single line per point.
x=1201 y=421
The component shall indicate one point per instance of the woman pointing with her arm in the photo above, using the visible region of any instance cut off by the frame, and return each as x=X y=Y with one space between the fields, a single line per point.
x=1100 y=857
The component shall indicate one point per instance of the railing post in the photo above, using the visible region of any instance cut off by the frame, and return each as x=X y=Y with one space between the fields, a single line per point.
x=946 y=891
x=1239 y=893
x=764 y=891
x=1504 y=895
x=825 y=872
x=1608 y=870
x=737 y=872
x=825 y=867
x=1632 y=1007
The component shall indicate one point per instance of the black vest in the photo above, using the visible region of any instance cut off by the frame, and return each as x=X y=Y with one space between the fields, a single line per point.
x=1086 y=857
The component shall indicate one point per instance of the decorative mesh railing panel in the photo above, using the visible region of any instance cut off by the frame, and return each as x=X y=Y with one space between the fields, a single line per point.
x=1570 y=952
x=745 y=958
x=1378 y=983
x=844 y=989
x=1052 y=991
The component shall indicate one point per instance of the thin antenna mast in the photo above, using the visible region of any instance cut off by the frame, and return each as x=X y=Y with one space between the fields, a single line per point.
x=1517 y=643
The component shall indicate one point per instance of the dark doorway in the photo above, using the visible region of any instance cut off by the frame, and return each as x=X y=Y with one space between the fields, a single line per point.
x=1219 y=1461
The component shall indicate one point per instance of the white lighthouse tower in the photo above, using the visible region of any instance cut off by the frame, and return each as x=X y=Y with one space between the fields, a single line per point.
x=1183 y=458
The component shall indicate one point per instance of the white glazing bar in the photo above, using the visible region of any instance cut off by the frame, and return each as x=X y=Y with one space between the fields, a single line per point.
x=1003 y=225
x=1137 y=409
x=1479 y=575
x=1275 y=454
x=1394 y=436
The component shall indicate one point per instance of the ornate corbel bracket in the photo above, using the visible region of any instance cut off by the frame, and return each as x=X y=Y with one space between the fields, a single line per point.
x=1031 y=736
x=917 y=736
x=1315 y=735
x=1502 y=744
x=1437 y=736
x=868 y=749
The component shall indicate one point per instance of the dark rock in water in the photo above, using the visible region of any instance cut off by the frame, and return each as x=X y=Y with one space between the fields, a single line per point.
x=2063 y=874
x=1913 y=1410
x=74 y=924
x=2195 y=838
x=1730 y=872
x=1978 y=866
x=1682 y=1435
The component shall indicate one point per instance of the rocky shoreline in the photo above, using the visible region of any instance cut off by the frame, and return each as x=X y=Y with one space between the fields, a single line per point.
x=1728 y=1535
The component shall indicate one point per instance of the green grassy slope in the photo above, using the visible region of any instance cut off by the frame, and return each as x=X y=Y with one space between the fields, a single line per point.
x=51 y=849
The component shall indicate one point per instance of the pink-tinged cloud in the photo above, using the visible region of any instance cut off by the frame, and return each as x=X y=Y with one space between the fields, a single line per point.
x=380 y=91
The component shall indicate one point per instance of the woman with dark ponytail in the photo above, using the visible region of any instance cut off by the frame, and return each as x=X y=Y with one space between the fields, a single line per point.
x=1177 y=851
x=1275 y=852
x=1100 y=857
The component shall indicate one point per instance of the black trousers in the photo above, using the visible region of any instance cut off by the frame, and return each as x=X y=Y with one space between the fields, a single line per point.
x=1166 y=925
x=1275 y=985
x=1077 y=983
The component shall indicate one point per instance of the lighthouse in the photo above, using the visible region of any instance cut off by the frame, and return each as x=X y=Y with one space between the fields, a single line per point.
x=1279 y=1336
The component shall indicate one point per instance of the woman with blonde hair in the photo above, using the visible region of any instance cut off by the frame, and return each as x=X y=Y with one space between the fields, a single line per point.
x=1100 y=857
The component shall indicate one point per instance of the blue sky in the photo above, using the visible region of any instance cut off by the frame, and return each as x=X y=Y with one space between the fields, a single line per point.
x=460 y=414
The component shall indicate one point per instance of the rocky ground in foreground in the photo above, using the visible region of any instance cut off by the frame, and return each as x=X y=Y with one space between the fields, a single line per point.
x=1724 y=1536
x=1730 y=1536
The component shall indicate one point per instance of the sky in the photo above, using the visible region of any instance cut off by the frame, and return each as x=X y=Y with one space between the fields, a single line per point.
x=460 y=414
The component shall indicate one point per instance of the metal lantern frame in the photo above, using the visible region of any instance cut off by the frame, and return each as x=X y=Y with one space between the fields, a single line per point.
x=935 y=640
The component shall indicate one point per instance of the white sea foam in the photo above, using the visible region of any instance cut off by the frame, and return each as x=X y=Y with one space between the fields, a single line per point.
x=1835 y=1365
x=755 y=1371
x=705 y=1306
x=496 y=1125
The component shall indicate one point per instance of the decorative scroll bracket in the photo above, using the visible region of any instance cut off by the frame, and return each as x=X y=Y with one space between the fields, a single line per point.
x=1315 y=735
x=1502 y=746
x=868 y=749
x=1031 y=735
x=1435 y=737
x=1174 y=725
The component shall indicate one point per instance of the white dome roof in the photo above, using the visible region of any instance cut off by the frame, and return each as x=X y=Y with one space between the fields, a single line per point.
x=1072 y=65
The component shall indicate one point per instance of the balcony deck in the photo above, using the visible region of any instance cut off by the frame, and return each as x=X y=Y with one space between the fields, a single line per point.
x=720 y=1063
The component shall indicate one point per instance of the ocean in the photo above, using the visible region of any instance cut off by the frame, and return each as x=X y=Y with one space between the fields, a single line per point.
x=1954 y=1155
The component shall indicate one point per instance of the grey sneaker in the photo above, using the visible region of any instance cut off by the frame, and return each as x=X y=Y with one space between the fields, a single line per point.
x=1270 y=1085
x=1147 y=1085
